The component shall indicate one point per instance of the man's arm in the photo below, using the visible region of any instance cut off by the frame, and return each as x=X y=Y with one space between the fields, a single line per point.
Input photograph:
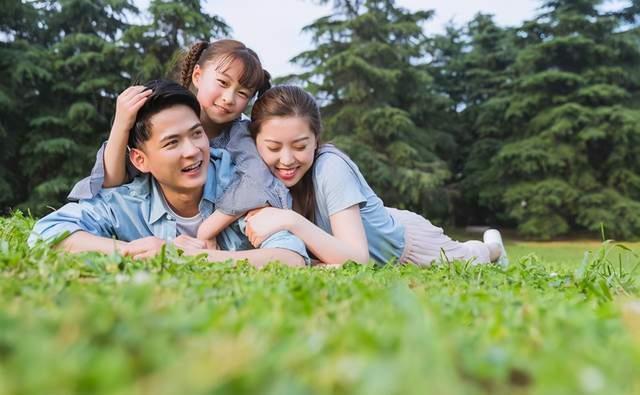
x=82 y=241
x=258 y=257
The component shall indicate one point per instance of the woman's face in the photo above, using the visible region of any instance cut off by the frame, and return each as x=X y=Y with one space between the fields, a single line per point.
x=287 y=145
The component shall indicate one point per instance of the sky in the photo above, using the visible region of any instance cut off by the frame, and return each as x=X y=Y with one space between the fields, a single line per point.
x=274 y=28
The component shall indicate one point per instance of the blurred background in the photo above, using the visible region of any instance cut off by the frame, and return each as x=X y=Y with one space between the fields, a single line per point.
x=522 y=115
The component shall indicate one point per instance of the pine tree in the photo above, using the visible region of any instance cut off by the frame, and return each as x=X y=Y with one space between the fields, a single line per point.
x=70 y=113
x=65 y=63
x=23 y=69
x=153 y=49
x=566 y=128
x=369 y=73
x=472 y=65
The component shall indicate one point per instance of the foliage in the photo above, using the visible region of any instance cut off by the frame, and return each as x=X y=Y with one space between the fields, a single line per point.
x=65 y=63
x=533 y=126
x=557 y=146
x=97 y=324
x=368 y=72
x=472 y=65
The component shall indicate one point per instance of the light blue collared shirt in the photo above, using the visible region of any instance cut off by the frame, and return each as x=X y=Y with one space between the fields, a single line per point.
x=136 y=210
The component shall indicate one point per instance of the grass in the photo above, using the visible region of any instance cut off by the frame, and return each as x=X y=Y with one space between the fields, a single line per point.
x=554 y=322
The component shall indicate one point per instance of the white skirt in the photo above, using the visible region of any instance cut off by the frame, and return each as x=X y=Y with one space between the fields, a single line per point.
x=425 y=243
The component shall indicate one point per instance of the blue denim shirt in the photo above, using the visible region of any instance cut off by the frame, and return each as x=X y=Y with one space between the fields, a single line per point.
x=253 y=187
x=136 y=210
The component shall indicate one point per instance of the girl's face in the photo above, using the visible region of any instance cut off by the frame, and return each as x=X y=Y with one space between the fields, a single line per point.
x=287 y=145
x=220 y=94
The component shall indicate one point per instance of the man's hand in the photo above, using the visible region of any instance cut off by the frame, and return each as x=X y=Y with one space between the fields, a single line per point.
x=143 y=248
x=190 y=245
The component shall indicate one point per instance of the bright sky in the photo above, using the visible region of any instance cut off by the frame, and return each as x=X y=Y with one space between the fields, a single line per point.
x=274 y=28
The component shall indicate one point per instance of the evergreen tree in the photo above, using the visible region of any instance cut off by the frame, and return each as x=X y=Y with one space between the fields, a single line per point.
x=368 y=72
x=472 y=65
x=565 y=129
x=23 y=69
x=153 y=49
x=70 y=113
x=65 y=62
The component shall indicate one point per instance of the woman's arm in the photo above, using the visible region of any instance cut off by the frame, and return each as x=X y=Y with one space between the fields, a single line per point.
x=348 y=242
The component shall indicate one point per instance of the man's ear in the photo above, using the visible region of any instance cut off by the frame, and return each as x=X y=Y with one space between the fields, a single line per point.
x=196 y=75
x=139 y=160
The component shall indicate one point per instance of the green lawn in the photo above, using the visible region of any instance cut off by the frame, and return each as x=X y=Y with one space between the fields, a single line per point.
x=552 y=323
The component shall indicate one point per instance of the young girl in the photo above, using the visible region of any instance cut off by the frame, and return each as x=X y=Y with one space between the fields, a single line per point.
x=335 y=212
x=224 y=75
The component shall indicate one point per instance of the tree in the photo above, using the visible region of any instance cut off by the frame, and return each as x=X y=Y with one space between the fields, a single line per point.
x=369 y=74
x=69 y=113
x=66 y=61
x=472 y=65
x=153 y=49
x=23 y=69
x=565 y=130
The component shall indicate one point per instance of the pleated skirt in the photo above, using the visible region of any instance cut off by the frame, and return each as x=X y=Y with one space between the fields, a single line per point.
x=426 y=243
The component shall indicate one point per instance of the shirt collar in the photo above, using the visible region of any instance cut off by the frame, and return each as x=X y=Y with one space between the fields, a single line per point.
x=156 y=206
x=219 y=175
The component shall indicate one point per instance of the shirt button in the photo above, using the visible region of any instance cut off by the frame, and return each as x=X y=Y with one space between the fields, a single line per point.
x=170 y=218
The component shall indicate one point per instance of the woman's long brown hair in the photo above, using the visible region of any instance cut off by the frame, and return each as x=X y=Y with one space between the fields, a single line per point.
x=286 y=101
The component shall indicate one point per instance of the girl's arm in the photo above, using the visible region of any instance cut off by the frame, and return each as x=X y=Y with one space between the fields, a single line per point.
x=348 y=242
x=212 y=226
x=115 y=152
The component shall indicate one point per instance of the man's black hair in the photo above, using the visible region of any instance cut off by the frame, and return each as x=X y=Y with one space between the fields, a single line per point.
x=165 y=94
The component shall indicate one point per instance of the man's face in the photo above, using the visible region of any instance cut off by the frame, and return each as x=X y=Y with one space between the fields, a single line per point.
x=177 y=153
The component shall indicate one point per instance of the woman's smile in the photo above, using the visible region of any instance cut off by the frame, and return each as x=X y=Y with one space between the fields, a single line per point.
x=287 y=174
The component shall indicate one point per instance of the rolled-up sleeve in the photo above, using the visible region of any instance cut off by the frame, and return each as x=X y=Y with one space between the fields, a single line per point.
x=233 y=238
x=288 y=241
x=92 y=216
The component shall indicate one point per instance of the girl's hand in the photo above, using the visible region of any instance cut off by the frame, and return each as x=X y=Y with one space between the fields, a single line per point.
x=127 y=106
x=263 y=222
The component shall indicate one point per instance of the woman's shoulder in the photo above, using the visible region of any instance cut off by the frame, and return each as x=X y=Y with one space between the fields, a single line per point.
x=330 y=159
x=334 y=169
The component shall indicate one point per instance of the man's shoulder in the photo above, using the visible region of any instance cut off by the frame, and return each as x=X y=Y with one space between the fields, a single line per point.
x=139 y=188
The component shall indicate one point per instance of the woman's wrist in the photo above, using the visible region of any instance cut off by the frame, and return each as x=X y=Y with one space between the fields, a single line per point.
x=293 y=221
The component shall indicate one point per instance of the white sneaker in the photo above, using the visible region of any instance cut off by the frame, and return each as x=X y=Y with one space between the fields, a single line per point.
x=493 y=236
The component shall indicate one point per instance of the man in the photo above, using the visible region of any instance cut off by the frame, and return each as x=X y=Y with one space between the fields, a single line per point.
x=182 y=178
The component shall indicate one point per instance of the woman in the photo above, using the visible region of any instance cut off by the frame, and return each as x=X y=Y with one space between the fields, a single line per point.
x=335 y=212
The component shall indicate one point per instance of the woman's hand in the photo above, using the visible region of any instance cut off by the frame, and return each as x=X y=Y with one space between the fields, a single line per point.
x=263 y=222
